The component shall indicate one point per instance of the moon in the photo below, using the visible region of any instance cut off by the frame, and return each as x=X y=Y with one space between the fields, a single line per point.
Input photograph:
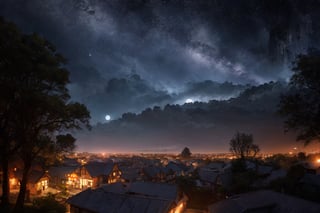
x=189 y=100
x=108 y=117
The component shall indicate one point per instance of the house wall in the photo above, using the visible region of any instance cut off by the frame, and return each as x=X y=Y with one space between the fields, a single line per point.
x=73 y=180
x=115 y=175
x=39 y=187
x=86 y=182
x=80 y=179
x=58 y=181
x=97 y=181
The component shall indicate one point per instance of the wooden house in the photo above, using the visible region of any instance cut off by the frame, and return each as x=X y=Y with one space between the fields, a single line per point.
x=264 y=201
x=60 y=175
x=94 y=174
x=38 y=181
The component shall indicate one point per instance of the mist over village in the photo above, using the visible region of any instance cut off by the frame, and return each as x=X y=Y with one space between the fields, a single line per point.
x=159 y=106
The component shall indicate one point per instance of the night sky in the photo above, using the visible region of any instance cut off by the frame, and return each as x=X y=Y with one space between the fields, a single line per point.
x=131 y=55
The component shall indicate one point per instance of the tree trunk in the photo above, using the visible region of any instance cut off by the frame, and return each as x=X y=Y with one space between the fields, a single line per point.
x=5 y=181
x=23 y=188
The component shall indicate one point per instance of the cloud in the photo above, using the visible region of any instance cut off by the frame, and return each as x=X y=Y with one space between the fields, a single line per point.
x=170 y=43
x=134 y=94
x=200 y=126
x=120 y=95
x=205 y=91
x=180 y=50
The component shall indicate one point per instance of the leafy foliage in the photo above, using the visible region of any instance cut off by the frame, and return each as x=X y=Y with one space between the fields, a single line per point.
x=48 y=204
x=301 y=105
x=242 y=146
x=34 y=101
x=242 y=181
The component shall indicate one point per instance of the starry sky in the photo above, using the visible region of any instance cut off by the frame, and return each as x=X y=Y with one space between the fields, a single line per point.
x=132 y=55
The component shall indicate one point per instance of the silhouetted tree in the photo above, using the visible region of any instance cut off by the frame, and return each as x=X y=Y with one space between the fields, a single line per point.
x=48 y=204
x=9 y=36
x=185 y=153
x=34 y=102
x=302 y=156
x=242 y=146
x=301 y=105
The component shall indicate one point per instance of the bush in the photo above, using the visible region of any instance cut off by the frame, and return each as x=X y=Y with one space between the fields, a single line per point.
x=48 y=204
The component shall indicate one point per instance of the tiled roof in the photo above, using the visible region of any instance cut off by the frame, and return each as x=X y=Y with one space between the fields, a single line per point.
x=98 y=168
x=176 y=167
x=34 y=175
x=208 y=175
x=153 y=171
x=132 y=198
x=264 y=201
x=61 y=171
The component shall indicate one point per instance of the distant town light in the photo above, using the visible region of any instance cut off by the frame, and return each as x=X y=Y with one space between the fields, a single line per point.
x=318 y=160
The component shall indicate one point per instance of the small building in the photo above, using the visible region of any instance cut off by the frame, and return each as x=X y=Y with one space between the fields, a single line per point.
x=264 y=201
x=176 y=169
x=136 y=197
x=94 y=174
x=218 y=166
x=38 y=181
x=130 y=174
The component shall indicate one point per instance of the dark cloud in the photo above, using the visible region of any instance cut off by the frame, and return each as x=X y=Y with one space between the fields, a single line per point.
x=133 y=94
x=180 y=49
x=172 y=42
x=200 y=126
x=120 y=95
x=209 y=90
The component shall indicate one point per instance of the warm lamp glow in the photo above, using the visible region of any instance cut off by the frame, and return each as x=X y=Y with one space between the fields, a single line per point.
x=318 y=160
x=179 y=208
x=12 y=181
